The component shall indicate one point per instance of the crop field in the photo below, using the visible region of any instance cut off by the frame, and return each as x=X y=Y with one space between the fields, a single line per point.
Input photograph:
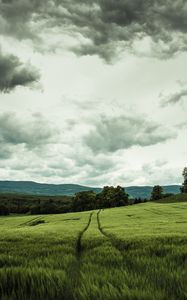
x=138 y=252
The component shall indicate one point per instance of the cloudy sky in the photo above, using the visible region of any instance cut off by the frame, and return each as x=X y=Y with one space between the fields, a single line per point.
x=93 y=92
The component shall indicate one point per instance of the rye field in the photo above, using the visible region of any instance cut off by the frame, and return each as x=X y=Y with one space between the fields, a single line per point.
x=138 y=252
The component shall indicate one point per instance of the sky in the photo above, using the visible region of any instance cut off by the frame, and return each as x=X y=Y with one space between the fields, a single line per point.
x=93 y=92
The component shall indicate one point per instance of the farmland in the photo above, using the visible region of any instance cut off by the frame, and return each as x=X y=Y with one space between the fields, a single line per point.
x=134 y=252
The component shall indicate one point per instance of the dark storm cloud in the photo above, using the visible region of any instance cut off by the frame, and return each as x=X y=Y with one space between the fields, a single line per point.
x=14 y=73
x=16 y=17
x=108 y=25
x=117 y=24
x=177 y=97
x=32 y=134
x=113 y=134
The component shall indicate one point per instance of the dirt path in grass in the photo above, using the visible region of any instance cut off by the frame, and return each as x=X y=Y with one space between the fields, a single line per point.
x=99 y=224
x=120 y=245
x=29 y=222
x=108 y=236
x=74 y=270
x=157 y=212
x=79 y=247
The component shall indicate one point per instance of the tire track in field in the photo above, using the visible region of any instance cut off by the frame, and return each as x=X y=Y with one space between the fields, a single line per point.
x=115 y=242
x=73 y=273
x=99 y=224
x=79 y=247
x=30 y=221
x=157 y=212
x=178 y=207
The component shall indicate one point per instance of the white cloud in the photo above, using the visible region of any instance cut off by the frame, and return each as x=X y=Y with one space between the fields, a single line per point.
x=71 y=143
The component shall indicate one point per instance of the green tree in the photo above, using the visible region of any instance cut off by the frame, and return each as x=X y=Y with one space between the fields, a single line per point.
x=184 y=185
x=138 y=201
x=35 y=210
x=4 y=210
x=157 y=193
x=48 y=207
x=85 y=200
x=111 y=197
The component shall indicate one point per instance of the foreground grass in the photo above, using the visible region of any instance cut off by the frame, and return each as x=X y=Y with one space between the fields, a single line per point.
x=35 y=259
x=136 y=252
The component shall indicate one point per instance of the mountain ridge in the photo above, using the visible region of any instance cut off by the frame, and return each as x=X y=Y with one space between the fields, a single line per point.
x=46 y=189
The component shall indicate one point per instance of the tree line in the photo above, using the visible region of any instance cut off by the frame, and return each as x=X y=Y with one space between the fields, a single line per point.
x=109 y=197
x=87 y=200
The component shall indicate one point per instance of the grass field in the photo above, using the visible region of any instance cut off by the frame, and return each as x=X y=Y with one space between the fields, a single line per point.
x=135 y=252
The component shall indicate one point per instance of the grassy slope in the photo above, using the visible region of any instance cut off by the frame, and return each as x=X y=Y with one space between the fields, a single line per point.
x=136 y=252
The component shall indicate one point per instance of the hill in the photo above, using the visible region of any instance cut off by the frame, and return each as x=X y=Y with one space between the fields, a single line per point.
x=144 y=192
x=33 y=188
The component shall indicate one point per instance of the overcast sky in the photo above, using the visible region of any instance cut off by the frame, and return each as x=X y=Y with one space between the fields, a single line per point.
x=93 y=92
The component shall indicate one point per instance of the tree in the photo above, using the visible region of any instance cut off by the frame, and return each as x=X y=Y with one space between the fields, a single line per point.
x=121 y=197
x=157 y=193
x=167 y=195
x=84 y=201
x=111 y=197
x=4 y=210
x=184 y=185
x=35 y=210
x=138 y=201
x=48 y=207
x=184 y=173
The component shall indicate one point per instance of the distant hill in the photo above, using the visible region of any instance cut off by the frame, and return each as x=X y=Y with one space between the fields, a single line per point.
x=33 y=188
x=144 y=192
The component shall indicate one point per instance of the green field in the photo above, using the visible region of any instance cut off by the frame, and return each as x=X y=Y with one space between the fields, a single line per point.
x=135 y=252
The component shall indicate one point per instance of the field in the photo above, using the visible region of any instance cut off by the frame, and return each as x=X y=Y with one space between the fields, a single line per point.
x=135 y=252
